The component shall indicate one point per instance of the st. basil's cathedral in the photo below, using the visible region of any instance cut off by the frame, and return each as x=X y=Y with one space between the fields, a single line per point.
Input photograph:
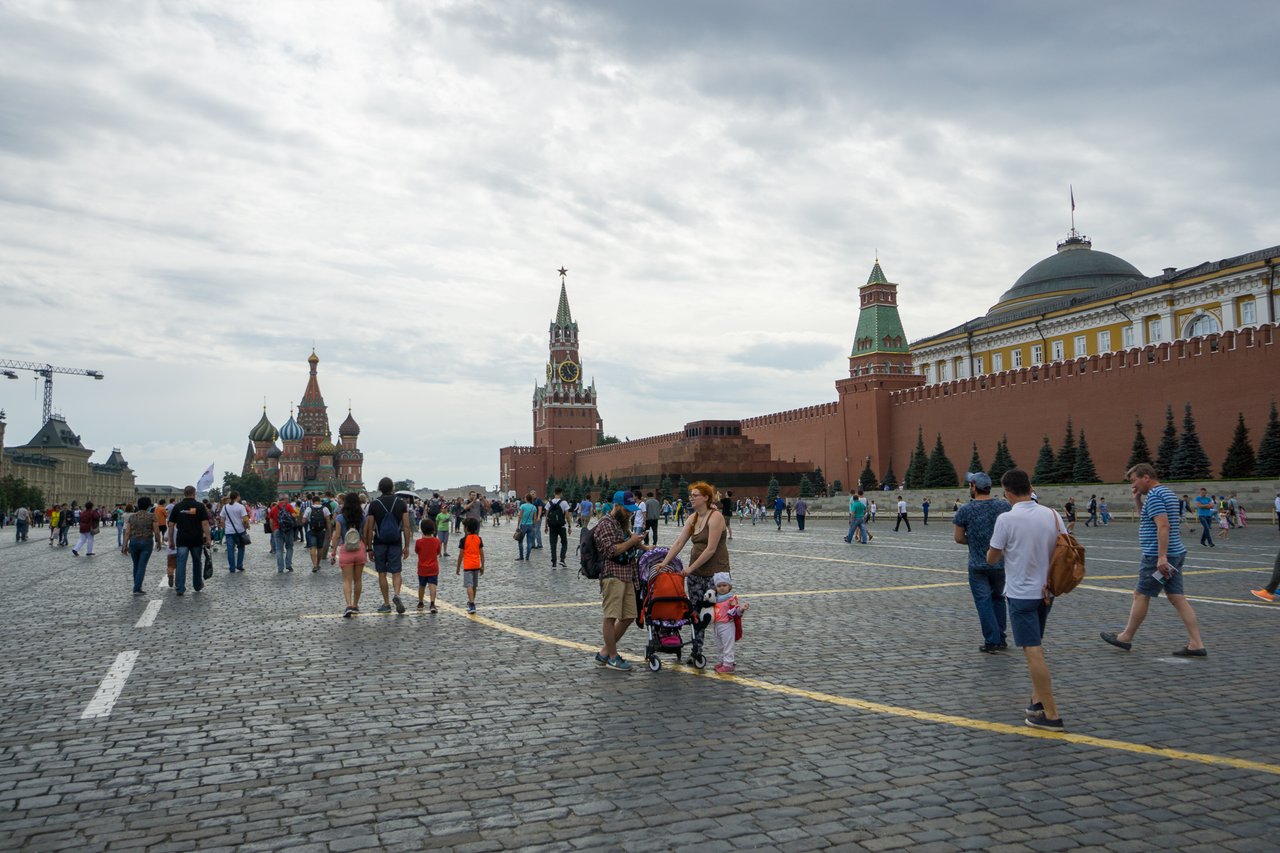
x=307 y=460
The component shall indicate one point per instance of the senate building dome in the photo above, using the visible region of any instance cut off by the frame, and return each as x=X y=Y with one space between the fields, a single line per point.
x=1075 y=270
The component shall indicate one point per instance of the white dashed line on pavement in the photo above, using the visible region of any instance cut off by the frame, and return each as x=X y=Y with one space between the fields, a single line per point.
x=110 y=688
x=149 y=615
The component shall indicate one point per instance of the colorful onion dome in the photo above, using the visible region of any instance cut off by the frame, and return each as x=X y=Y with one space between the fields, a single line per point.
x=274 y=452
x=263 y=430
x=325 y=447
x=349 y=426
x=292 y=430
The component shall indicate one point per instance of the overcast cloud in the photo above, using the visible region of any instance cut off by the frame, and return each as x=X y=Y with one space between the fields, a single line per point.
x=190 y=194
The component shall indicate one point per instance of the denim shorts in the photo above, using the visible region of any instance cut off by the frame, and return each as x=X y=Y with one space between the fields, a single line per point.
x=423 y=580
x=314 y=541
x=386 y=558
x=1150 y=587
x=1027 y=617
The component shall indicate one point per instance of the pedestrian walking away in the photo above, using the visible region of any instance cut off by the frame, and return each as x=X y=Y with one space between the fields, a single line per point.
x=189 y=533
x=388 y=535
x=974 y=523
x=1024 y=537
x=557 y=514
x=1160 y=569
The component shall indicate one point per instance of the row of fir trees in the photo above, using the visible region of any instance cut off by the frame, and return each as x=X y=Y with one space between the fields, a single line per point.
x=1179 y=456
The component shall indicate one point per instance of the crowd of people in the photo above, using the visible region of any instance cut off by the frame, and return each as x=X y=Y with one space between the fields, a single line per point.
x=1010 y=540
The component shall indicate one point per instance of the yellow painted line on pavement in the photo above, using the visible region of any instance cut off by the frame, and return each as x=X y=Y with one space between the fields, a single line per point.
x=899 y=711
x=855 y=562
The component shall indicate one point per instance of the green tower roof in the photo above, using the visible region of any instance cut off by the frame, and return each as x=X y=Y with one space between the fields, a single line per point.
x=563 y=318
x=879 y=326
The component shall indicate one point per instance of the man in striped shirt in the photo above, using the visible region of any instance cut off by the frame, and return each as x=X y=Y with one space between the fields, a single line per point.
x=1163 y=553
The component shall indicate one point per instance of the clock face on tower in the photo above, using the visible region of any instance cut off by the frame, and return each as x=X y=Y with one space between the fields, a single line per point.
x=568 y=371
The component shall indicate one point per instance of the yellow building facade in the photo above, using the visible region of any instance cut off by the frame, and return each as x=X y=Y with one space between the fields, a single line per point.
x=1081 y=302
x=55 y=462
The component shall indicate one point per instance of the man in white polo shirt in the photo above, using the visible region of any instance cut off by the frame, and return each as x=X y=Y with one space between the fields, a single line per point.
x=1024 y=537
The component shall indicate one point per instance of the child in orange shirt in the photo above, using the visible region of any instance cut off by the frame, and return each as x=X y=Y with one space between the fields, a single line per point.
x=428 y=549
x=471 y=558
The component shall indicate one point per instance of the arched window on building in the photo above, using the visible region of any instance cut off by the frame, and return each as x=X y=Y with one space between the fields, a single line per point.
x=1201 y=324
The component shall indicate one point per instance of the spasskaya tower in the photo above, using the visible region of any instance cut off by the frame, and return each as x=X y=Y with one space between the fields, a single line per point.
x=565 y=418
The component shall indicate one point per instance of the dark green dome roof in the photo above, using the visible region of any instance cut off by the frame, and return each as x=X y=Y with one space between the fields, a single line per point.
x=263 y=430
x=1076 y=268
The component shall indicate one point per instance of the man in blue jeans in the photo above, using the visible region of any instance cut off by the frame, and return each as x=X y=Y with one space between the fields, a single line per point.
x=189 y=531
x=974 y=524
x=857 y=519
x=1204 y=513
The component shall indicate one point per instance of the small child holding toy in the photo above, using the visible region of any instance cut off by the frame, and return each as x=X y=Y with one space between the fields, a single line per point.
x=728 y=620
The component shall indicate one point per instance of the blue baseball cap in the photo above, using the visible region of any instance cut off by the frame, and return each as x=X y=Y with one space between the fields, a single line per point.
x=626 y=499
x=980 y=481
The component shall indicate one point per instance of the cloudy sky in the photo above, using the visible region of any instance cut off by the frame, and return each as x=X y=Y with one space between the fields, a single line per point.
x=192 y=193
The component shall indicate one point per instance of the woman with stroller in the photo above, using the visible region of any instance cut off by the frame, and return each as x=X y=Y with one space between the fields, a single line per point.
x=706 y=529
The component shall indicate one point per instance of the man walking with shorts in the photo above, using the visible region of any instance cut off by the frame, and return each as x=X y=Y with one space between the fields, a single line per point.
x=617 y=580
x=1024 y=537
x=387 y=532
x=1162 y=556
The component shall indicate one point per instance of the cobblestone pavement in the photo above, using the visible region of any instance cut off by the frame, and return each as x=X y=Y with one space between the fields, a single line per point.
x=862 y=714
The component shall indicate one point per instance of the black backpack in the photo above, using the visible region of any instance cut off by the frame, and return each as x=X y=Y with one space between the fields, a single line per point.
x=555 y=514
x=285 y=520
x=589 y=555
x=388 y=528
x=317 y=521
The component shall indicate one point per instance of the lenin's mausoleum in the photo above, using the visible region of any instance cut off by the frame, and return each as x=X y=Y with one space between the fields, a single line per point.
x=1082 y=334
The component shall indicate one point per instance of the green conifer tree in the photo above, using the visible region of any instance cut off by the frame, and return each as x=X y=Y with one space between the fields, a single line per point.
x=774 y=488
x=1002 y=461
x=683 y=487
x=1240 y=460
x=890 y=478
x=1066 y=457
x=819 y=482
x=939 y=472
x=1140 y=452
x=665 y=487
x=1084 y=471
x=1190 y=462
x=867 y=480
x=919 y=463
x=806 y=486
x=1268 y=462
x=1046 y=465
x=975 y=463
x=1168 y=446
x=837 y=487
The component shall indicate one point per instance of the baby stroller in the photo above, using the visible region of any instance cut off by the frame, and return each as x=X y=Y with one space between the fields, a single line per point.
x=667 y=610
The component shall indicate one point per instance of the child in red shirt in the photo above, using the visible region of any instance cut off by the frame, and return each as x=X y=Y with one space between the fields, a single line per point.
x=428 y=549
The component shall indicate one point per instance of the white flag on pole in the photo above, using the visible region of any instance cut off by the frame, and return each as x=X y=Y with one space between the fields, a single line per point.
x=206 y=479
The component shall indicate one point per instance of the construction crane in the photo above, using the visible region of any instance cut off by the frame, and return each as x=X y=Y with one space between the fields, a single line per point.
x=46 y=370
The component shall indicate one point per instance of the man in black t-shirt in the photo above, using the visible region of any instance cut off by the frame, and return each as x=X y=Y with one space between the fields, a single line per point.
x=726 y=509
x=189 y=533
x=388 y=552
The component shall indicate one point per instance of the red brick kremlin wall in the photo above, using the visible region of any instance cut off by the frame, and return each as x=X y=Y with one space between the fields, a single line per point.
x=1101 y=394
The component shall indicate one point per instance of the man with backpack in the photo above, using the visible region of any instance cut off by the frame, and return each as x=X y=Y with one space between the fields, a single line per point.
x=388 y=533
x=1163 y=553
x=557 y=516
x=283 y=524
x=1024 y=537
x=316 y=519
